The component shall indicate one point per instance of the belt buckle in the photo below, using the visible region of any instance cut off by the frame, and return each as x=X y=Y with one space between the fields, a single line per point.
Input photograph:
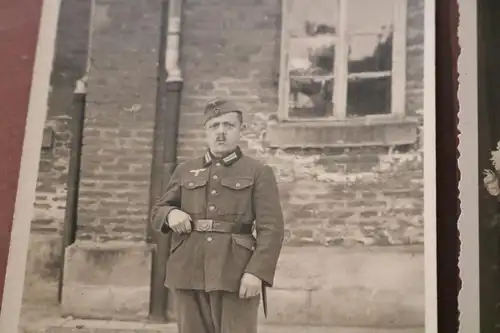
x=205 y=225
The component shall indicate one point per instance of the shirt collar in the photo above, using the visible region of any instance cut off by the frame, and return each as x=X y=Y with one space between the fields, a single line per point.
x=227 y=160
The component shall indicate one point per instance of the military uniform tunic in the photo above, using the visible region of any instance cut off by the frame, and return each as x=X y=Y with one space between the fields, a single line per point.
x=236 y=189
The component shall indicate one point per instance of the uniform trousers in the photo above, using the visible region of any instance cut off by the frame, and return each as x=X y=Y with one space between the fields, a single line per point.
x=198 y=311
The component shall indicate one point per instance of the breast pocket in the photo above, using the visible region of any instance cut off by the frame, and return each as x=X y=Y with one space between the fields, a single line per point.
x=193 y=195
x=238 y=191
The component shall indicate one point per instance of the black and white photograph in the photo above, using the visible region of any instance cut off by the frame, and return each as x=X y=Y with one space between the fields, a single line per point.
x=235 y=166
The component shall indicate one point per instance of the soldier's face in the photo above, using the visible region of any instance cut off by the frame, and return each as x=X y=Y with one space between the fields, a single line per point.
x=223 y=133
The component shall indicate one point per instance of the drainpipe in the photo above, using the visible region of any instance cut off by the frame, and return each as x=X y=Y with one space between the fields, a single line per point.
x=165 y=149
x=174 y=84
x=73 y=182
x=70 y=218
x=155 y=187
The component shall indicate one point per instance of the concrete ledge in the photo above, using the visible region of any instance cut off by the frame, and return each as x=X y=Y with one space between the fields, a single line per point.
x=107 y=280
x=42 y=269
x=364 y=132
x=377 y=287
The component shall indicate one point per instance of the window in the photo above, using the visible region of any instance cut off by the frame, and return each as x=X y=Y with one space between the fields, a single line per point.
x=343 y=59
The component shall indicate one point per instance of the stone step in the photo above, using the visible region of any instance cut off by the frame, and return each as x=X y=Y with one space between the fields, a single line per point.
x=99 y=326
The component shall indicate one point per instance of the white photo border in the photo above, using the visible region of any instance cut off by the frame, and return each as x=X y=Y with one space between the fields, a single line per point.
x=430 y=240
x=468 y=222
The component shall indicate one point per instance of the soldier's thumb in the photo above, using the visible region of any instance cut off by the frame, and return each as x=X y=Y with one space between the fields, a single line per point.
x=242 y=291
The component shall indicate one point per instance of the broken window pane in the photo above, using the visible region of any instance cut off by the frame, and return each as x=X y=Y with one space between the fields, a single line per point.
x=313 y=18
x=372 y=16
x=311 y=63
x=312 y=33
x=370 y=53
x=311 y=56
x=311 y=97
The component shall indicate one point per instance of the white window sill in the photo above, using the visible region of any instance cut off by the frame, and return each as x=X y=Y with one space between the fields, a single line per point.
x=351 y=133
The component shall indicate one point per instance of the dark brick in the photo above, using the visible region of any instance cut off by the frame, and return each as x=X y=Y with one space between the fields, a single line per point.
x=43 y=222
x=369 y=213
x=42 y=229
x=366 y=204
x=312 y=222
x=303 y=233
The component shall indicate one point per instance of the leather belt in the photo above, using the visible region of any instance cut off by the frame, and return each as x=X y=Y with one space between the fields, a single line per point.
x=222 y=226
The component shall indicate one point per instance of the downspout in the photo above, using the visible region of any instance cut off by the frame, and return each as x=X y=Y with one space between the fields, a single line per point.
x=174 y=84
x=155 y=187
x=73 y=181
x=71 y=212
x=167 y=130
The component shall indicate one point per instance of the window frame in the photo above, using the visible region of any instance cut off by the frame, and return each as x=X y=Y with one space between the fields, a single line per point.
x=398 y=82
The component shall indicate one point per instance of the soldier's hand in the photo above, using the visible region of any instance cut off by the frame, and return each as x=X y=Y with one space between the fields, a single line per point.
x=250 y=286
x=179 y=221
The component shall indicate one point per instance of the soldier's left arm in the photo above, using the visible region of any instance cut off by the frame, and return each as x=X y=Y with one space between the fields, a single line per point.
x=269 y=224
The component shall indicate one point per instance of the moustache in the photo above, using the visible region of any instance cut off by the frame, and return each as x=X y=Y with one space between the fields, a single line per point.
x=220 y=138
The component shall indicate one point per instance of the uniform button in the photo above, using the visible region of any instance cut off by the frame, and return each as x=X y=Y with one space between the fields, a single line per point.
x=209 y=238
x=238 y=184
x=191 y=184
x=215 y=177
x=212 y=208
x=214 y=192
x=217 y=164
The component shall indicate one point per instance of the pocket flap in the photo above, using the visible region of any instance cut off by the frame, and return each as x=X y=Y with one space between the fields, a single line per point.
x=193 y=183
x=237 y=183
x=246 y=241
x=176 y=241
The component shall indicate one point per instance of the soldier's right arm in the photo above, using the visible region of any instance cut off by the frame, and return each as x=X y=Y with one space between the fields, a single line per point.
x=169 y=201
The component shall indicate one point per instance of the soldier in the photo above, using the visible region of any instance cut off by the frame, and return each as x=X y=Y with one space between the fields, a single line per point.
x=212 y=207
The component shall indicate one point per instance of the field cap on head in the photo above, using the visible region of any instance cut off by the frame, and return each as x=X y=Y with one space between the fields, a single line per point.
x=219 y=107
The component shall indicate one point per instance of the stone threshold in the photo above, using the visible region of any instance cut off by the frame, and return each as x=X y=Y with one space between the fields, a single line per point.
x=61 y=325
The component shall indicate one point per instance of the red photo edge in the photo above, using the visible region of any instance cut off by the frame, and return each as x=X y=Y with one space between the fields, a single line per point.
x=19 y=28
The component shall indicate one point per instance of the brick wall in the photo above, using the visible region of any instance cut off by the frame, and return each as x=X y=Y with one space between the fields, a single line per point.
x=357 y=197
x=230 y=55
x=120 y=119
x=69 y=65
x=415 y=56
x=364 y=197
